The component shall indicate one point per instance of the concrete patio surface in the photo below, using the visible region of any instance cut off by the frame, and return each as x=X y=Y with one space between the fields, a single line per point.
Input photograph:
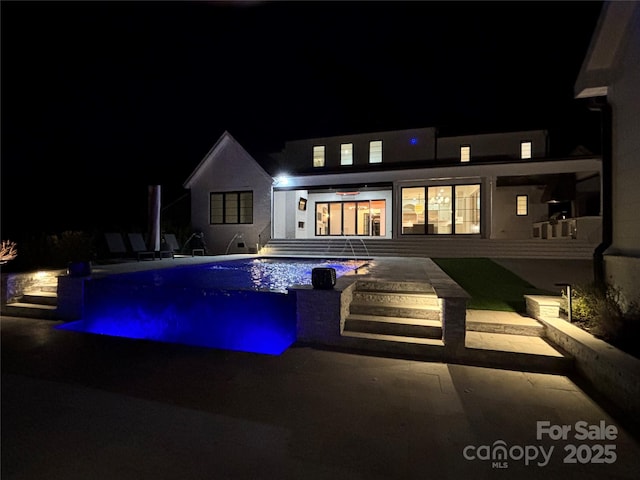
x=81 y=406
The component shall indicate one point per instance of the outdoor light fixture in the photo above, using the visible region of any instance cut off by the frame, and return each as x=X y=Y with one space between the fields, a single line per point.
x=323 y=278
x=282 y=180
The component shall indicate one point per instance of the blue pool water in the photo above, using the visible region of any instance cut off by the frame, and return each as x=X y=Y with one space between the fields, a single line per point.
x=242 y=305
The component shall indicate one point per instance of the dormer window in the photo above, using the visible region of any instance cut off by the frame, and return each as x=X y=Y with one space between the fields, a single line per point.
x=346 y=154
x=465 y=153
x=525 y=150
x=318 y=156
x=375 y=151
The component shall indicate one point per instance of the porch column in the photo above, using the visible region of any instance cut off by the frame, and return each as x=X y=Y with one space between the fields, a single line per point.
x=486 y=206
x=153 y=241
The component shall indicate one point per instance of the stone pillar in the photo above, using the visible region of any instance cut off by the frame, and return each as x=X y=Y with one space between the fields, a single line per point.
x=454 y=324
x=318 y=325
x=320 y=314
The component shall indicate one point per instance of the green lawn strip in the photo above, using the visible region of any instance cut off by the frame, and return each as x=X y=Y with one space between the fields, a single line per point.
x=491 y=286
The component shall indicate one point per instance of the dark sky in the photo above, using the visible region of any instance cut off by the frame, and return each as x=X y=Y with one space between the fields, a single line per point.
x=102 y=99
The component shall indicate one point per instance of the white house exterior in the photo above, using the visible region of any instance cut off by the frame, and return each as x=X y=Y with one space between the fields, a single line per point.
x=610 y=77
x=229 y=178
x=396 y=185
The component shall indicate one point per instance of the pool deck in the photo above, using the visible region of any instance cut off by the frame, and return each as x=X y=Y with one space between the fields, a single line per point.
x=78 y=406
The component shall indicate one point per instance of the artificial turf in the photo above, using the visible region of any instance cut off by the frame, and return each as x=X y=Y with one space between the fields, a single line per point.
x=491 y=286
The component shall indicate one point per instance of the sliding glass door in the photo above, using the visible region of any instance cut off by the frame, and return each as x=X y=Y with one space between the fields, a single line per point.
x=365 y=218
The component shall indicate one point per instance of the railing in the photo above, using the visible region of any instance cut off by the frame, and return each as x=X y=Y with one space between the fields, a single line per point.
x=264 y=236
x=237 y=235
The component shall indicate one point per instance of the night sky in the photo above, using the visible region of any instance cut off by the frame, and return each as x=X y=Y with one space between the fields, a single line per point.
x=100 y=100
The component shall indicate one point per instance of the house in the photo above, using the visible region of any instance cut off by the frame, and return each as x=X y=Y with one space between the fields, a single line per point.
x=610 y=79
x=410 y=185
x=230 y=198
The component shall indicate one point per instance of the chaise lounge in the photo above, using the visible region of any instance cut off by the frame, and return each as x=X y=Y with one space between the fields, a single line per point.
x=139 y=248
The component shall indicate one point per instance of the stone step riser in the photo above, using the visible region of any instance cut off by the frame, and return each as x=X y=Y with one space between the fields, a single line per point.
x=394 y=311
x=494 y=359
x=387 y=328
x=49 y=288
x=485 y=327
x=37 y=299
x=395 y=299
x=30 y=311
x=401 y=287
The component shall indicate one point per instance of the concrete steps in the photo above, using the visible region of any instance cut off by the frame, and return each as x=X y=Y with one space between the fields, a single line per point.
x=403 y=318
x=40 y=297
x=433 y=247
x=400 y=309
x=41 y=302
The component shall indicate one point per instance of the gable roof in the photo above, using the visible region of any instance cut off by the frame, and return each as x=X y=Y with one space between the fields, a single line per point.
x=602 y=60
x=225 y=142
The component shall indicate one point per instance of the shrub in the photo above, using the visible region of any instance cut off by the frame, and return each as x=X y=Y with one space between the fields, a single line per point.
x=44 y=251
x=600 y=309
x=72 y=246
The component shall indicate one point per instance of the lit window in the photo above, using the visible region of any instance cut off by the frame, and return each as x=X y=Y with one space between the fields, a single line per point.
x=318 y=156
x=346 y=154
x=522 y=205
x=525 y=150
x=375 y=151
x=465 y=153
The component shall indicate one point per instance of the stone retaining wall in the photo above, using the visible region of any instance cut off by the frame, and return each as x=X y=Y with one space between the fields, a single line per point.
x=612 y=372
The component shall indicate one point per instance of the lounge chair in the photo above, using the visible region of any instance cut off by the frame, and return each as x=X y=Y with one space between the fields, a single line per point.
x=171 y=243
x=139 y=248
x=115 y=245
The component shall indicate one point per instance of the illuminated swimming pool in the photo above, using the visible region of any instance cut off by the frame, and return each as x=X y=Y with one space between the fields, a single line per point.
x=242 y=305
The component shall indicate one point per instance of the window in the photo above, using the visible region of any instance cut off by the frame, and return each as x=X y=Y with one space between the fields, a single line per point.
x=231 y=207
x=375 y=151
x=441 y=210
x=318 y=156
x=465 y=153
x=467 y=209
x=413 y=210
x=346 y=154
x=522 y=205
x=525 y=150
